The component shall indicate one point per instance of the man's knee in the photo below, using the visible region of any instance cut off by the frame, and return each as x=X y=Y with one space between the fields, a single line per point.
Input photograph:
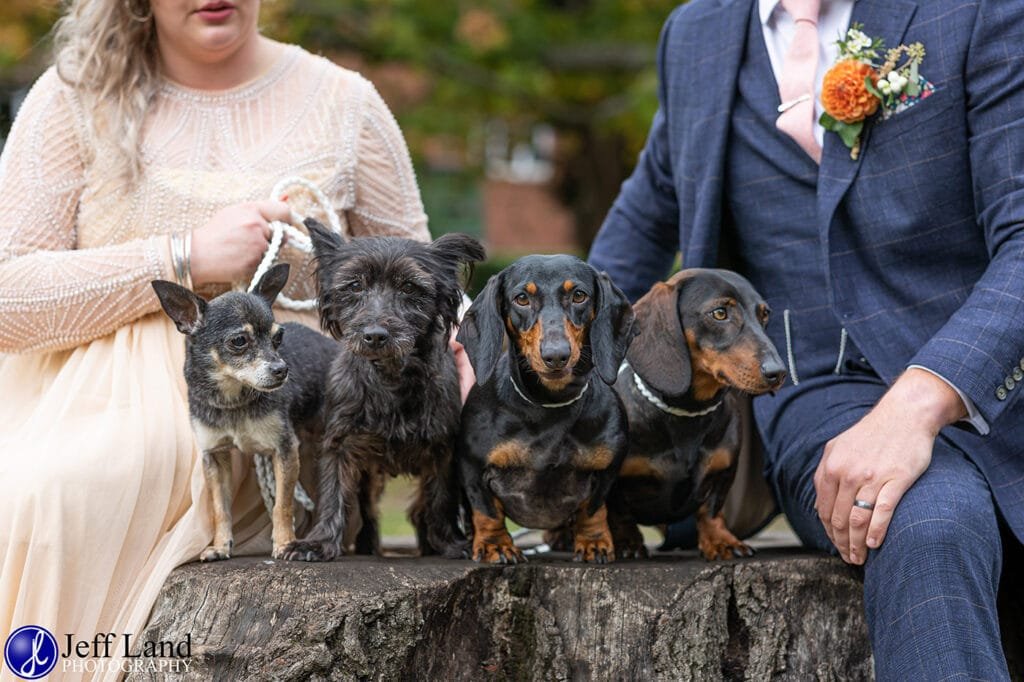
x=945 y=525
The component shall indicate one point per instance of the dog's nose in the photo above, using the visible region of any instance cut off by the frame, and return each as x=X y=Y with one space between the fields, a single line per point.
x=556 y=358
x=279 y=370
x=375 y=336
x=773 y=372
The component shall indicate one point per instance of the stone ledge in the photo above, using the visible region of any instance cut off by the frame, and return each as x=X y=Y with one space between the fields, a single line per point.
x=785 y=614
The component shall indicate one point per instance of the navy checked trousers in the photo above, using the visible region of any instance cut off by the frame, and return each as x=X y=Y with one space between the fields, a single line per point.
x=936 y=576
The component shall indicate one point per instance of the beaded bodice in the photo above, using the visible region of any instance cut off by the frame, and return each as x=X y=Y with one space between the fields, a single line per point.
x=77 y=255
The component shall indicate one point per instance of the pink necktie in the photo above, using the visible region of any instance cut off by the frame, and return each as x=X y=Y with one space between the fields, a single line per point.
x=796 y=85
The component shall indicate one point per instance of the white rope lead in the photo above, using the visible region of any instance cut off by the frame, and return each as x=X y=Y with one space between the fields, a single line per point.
x=298 y=240
x=265 y=477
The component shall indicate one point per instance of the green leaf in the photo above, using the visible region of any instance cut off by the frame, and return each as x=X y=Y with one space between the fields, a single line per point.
x=827 y=122
x=871 y=88
x=849 y=132
x=913 y=88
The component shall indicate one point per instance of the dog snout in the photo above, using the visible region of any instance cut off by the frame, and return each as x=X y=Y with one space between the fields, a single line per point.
x=278 y=370
x=375 y=336
x=773 y=371
x=556 y=354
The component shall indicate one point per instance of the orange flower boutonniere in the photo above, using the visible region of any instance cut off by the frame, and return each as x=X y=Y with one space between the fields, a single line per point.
x=855 y=87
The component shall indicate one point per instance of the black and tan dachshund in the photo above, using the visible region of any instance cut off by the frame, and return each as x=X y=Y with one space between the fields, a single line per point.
x=702 y=346
x=543 y=434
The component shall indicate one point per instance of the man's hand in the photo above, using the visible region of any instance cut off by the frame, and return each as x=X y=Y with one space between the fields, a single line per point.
x=879 y=458
x=466 y=375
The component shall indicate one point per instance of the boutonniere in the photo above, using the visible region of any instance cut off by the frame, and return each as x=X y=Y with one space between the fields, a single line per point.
x=857 y=84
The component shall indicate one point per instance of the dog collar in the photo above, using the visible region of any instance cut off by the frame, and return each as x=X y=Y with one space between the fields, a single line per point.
x=547 y=405
x=661 y=404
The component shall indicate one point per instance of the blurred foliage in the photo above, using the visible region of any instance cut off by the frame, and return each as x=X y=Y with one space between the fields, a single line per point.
x=584 y=66
x=568 y=62
x=23 y=23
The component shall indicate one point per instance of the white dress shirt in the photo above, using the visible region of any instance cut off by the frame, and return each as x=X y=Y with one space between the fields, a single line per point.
x=833 y=22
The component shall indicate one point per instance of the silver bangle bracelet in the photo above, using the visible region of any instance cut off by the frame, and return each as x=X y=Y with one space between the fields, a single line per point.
x=187 y=266
x=176 y=257
x=181 y=258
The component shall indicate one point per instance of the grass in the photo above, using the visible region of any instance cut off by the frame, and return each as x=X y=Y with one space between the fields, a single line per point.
x=399 y=492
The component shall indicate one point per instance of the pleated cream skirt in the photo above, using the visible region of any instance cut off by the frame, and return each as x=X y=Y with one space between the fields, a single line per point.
x=101 y=489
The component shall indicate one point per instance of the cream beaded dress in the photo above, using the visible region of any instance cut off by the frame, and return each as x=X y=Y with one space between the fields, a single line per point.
x=101 y=490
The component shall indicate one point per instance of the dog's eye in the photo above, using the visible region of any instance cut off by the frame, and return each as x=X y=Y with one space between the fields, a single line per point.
x=277 y=338
x=765 y=314
x=720 y=314
x=238 y=342
x=355 y=286
x=522 y=300
x=579 y=296
x=408 y=288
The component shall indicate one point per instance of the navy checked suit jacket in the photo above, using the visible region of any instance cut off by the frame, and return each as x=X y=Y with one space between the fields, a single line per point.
x=933 y=271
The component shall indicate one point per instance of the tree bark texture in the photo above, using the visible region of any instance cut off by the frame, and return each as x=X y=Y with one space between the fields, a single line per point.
x=786 y=614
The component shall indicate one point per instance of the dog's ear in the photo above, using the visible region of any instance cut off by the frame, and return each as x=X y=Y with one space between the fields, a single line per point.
x=327 y=250
x=181 y=305
x=272 y=282
x=447 y=253
x=660 y=355
x=326 y=241
x=457 y=248
x=612 y=329
x=483 y=329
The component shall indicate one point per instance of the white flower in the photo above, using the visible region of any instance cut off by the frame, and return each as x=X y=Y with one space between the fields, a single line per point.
x=857 y=41
x=884 y=86
x=896 y=82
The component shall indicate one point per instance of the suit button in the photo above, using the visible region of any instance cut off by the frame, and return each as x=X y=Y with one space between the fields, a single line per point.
x=1017 y=375
x=1022 y=363
x=1009 y=383
x=1001 y=393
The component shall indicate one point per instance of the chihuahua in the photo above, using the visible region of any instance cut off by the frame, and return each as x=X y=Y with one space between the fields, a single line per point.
x=253 y=386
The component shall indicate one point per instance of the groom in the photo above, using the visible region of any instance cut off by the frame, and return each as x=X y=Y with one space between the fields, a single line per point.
x=897 y=285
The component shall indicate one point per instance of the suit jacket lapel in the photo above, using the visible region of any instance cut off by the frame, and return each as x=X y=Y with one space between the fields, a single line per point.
x=886 y=19
x=717 y=29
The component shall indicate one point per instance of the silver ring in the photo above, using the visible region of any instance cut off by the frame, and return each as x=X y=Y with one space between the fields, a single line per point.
x=863 y=505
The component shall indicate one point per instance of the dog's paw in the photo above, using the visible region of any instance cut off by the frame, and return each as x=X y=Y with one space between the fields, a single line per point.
x=629 y=542
x=723 y=548
x=631 y=551
x=595 y=548
x=305 y=550
x=716 y=541
x=456 y=550
x=497 y=550
x=215 y=553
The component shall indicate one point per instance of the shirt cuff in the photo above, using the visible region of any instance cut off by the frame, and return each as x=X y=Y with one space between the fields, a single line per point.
x=973 y=417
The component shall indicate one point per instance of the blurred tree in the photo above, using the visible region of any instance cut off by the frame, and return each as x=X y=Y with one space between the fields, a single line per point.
x=582 y=66
x=23 y=23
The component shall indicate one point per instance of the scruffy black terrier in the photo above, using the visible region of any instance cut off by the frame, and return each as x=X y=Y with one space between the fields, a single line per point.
x=253 y=385
x=392 y=390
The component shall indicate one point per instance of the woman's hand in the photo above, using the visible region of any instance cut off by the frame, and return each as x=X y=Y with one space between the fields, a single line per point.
x=230 y=246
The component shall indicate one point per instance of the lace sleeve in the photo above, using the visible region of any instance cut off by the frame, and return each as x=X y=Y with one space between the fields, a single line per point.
x=53 y=296
x=387 y=199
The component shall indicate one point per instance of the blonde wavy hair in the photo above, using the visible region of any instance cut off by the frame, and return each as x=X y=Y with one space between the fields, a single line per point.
x=106 y=51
